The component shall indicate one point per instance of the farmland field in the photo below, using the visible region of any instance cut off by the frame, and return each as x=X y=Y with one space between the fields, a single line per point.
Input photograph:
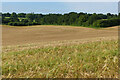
x=59 y=52
x=44 y=33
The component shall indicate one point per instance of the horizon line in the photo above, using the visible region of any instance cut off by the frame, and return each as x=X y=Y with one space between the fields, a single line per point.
x=58 y=13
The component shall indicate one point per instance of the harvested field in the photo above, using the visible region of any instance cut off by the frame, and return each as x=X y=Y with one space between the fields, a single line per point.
x=59 y=52
x=87 y=60
x=45 y=33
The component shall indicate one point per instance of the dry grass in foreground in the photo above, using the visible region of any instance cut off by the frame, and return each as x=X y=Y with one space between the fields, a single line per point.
x=87 y=60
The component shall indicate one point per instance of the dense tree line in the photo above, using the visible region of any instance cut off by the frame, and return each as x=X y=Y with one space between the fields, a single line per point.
x=72 y=18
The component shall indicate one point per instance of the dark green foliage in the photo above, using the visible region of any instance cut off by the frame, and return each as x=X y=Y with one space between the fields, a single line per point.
x=101 y=16
x=72 y=18
x=30 y=16
x=13 y=15
x=22 y=23
x=24 y=20
x=17 y=24
x=6 y=15
x=119 y=15
x=13 y=19
x=93 y=18
x=5 y=20
x=22 y=15
x=82 y=19
x=107 y=22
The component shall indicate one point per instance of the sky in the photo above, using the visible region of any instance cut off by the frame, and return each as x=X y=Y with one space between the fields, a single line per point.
x=119 y=7
x=60 y=0
x=60 y=7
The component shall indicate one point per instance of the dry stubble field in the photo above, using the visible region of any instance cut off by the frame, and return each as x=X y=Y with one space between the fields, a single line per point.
x=59 y=52
x=34 y=34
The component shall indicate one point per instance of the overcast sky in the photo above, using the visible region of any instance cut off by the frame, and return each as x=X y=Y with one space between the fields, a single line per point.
x=60 y=0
